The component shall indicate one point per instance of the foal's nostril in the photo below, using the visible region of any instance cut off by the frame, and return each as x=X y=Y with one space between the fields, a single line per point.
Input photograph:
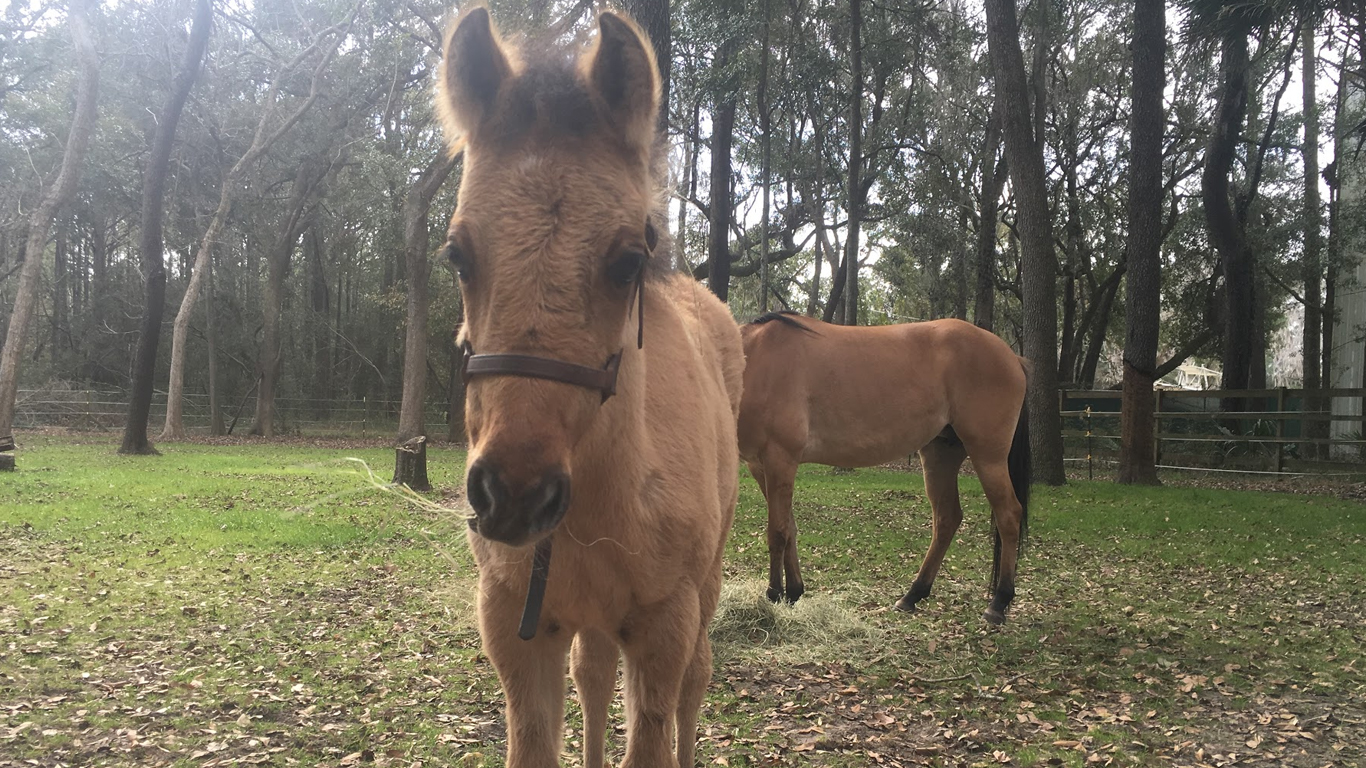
x=554 y=498
x=483 y=489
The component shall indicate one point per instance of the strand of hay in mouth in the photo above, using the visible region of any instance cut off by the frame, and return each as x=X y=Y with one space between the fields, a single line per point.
x=445 y=523
x=820 y=627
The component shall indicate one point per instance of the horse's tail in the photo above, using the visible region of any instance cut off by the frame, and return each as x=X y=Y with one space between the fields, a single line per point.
x=1019 y=466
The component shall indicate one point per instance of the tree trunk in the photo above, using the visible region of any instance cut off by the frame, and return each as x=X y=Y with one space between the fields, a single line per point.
x=455 y=409
x=151 y=245
x=687 y=191
x=1143 y=287
x=1313 y=246
x=59 y=280
x=723 y=129
x=1261 y=333
x=993 y=179
x=216 y=426
x=320 y=304
x=767 y=140
x=960 y=267
x=814 y=295
x=307 y=181
x=834 y=308
x=410 y=464
x=1235 y=257
x=61 y=191
x=1334 y=256
x=1142 y=290
x=174 y=428
x=855 y=192
x=1039 y=265
x=415 y=236
x=1098 y=325
x=653 y=17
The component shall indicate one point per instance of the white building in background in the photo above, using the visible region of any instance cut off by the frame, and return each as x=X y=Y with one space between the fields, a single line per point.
x=1349 y=332
x=1192 y=376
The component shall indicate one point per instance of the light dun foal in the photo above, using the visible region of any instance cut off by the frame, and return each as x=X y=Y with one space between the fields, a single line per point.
x=609 y=432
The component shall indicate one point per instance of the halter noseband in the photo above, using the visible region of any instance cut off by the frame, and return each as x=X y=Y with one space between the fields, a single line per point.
x=602 y=379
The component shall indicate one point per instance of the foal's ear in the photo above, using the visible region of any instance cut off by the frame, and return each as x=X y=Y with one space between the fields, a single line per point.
x=622 y=71
x=474 y=68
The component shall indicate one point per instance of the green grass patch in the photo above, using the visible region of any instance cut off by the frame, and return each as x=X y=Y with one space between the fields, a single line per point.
x=269 y=604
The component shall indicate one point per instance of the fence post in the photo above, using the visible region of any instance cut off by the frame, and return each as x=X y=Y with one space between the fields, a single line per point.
x=1090 y=470
x=1157 y=429
x=1280 y=428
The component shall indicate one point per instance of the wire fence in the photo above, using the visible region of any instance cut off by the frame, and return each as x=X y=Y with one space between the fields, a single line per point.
x=1274 y=433
x=98 y=410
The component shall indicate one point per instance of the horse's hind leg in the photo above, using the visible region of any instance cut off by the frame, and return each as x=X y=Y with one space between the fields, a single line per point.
x=940 y=459
x=776 y=477
x=1006 y=511
x=593 y=663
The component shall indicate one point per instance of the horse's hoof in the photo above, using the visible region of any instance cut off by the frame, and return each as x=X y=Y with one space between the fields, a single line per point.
x=994 y=617
x=904 y=605
x=775 y=595
x=794 y=594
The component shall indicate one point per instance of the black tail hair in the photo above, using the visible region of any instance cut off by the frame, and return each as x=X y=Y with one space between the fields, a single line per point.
x=786 y=317
x=1019 y=466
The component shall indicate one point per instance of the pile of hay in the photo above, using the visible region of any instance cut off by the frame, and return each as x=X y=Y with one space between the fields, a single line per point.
x=820 y=627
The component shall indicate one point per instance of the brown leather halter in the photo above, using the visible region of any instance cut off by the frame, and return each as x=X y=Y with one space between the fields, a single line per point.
x=602 y=379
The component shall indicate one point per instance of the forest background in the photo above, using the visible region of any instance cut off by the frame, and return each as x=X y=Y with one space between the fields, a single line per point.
x=295 y=272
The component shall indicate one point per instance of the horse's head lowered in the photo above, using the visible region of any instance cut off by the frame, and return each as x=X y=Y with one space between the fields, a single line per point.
x=550 y=240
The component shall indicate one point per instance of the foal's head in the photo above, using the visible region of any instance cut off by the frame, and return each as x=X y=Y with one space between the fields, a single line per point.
x=549 y=240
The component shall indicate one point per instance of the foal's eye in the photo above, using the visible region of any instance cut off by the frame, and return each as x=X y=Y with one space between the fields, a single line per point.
x=458 y=261
x=626 y=268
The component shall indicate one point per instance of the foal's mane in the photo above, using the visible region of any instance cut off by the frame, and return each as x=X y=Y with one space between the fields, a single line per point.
x=784 y=317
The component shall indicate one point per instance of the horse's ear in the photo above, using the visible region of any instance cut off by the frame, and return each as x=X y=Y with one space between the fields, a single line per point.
x=622 y=70
x=474 y=68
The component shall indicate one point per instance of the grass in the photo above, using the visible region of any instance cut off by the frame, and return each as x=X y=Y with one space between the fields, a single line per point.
x=267 y=604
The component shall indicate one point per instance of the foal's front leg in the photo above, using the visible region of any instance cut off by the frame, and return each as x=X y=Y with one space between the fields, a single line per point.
x=593 y=662
x=659 y=645
x=532 y=676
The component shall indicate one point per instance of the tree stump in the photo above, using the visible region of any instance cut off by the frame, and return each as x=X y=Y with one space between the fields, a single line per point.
x=6 y=457
x=410 y=464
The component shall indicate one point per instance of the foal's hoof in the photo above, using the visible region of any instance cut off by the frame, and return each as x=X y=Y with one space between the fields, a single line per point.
x=775 y=595
x=994 y=617
x=794 y=594
x=904 y=605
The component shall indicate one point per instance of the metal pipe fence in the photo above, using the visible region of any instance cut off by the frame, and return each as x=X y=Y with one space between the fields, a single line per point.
x=1269 y=431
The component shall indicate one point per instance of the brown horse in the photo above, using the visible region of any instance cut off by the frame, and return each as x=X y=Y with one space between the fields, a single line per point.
x=862 y=396
x=558 y=255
